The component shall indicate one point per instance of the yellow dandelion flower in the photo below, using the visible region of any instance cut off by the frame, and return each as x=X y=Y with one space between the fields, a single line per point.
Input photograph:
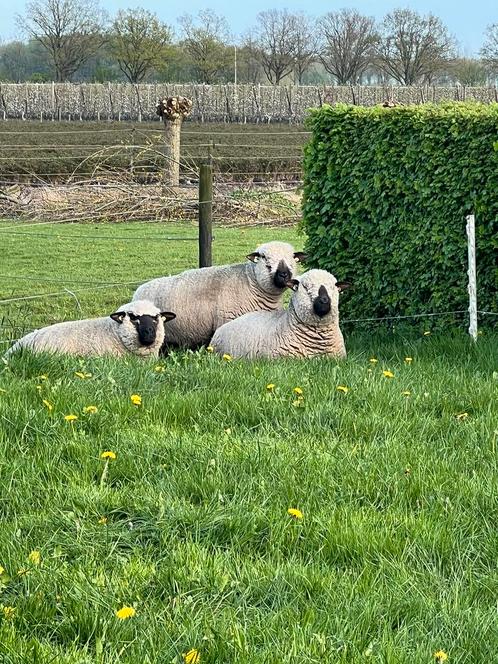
x=227 y=357
x=373 y=360
x=82 y=374
x=191 y=657
x=90 y=410
x=35 y=557
x=270 y=387
x=159 y=368
x=408 y=360
x=298 y=391
x=462 y=416
x=136 y=399
x=103 y=520
x=125 y=612
x=342 y=388
x=70 y=418
x=2 y=570
x=388 y=374
x=406 y=393
x=8 y=612
x=426 y=333
x=108 y=455
x=47 y=405
x=440 y=656
x=210 y=349
x=295 y=513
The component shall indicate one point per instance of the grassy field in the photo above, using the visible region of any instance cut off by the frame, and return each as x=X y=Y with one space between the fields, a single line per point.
x=56 y=149
x=394 y=557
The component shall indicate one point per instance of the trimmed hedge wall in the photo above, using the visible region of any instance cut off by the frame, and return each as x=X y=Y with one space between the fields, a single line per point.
x=386 y=194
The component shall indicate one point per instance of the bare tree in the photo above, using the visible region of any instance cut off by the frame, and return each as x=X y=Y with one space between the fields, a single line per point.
x=489 y=51
x=206 y=42
x=306 y=46
x=348 y=41
x=276 y=43
x=468 y=71
x=413 y=48
x=71 y=31
x=139 y=42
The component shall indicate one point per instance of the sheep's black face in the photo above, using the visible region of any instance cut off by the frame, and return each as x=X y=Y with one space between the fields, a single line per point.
x=282 y=275
x=322 y=304
x=146 y=328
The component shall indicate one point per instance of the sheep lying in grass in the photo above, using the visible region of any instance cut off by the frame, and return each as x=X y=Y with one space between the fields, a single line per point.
x=310 y=326
x=205 y=298
x=137 y=327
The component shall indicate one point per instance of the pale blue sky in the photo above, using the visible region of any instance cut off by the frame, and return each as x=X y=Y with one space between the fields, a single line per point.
x=466 y=21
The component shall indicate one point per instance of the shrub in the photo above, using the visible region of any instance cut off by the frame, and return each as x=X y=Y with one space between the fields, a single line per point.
x=386 y=194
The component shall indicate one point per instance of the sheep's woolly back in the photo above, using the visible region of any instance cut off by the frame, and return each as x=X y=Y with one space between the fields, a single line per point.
x=95 y=336
x=297 y=332
x=203 y=299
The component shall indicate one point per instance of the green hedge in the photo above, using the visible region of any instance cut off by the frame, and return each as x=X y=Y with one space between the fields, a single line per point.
x=386 y=194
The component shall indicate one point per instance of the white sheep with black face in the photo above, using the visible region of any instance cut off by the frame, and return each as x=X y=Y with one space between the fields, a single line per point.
x=136 y=327
x=206 y=298
x=310 y=326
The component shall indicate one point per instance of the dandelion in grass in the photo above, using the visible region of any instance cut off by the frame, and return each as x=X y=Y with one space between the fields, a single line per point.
x=373 y=360
x=440 y=656
x=270 y=387
x=9 y=612
x=90 y=410
x=125 y=612
x=298 y=391
x=159 y=368
x=70 y=418
x=295 y=513
x=462 y=416
x=388 y=374
x=108 y=455
x=408 y=360
x=210 y=349
x=136 y=399
x=42 y=377
x=342 y=388
x=406 y=393
x=191 y=657
x=82 y=374
x=298 y=403
x=227 y=357
x=48 y=405
x=35 y=557
x=103 y=520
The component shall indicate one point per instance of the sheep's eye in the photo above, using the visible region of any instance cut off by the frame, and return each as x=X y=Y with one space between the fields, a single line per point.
x=133 y=317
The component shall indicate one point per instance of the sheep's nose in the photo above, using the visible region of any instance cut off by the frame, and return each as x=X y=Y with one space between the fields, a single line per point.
x=285 y=275
x=322 y=304
x=147 y=335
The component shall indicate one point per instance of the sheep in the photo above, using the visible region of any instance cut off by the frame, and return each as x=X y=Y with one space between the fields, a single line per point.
x=310 y=326
x=136 y=327
x=205 y=298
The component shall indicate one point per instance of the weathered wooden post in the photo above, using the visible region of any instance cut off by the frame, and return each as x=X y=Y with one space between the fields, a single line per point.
x=205 y=214
x=173 y=110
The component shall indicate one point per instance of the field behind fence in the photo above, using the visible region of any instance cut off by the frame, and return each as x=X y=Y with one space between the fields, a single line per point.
x=211 y=103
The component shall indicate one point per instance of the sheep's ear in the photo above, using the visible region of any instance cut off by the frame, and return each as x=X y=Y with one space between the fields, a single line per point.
x=254 y=257
x=342 y=285
x=167 y=315
x=300 y=256
x=118 y=316
x=293 y=284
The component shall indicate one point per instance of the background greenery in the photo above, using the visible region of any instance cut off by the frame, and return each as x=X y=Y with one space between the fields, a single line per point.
x=394 y=559
x=387 y=191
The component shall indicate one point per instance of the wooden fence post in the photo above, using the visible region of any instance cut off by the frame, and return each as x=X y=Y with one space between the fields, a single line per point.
x=471 y=237
x=172 y=111
x=205 y=215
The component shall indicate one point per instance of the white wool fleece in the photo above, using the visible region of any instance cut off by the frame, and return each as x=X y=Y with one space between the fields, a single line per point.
x=296 y=332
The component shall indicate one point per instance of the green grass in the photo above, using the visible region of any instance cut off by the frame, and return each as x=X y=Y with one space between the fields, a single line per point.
x=59 y=148
x=394 y=559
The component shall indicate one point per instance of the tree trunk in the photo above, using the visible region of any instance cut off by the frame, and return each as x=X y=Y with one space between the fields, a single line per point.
x=173 y=110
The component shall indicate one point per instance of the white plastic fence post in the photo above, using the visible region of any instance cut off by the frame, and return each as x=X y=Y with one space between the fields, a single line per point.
x=471 y=238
